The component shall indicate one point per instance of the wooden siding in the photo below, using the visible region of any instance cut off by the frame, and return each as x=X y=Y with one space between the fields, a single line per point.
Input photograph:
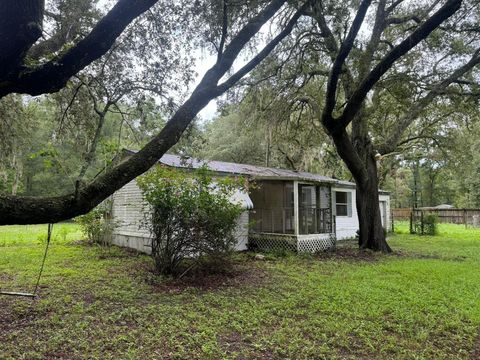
x=128 y=212
x=454 y=216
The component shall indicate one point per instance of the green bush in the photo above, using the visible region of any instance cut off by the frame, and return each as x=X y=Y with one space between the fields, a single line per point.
x=191 y=216
x=96 y=226
x=427 y=224
x=430 y=222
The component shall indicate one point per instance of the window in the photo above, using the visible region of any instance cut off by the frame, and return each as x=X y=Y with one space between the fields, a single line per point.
x=343 y=203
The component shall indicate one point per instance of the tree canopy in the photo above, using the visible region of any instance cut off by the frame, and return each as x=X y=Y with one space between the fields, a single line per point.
x=230 y=33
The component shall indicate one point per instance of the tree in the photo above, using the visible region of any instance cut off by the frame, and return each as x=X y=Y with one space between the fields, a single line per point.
x=20 y=26
x=380 y=83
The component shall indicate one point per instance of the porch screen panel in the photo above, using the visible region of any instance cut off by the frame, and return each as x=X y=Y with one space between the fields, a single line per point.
x=325 y=213
x=273 y=207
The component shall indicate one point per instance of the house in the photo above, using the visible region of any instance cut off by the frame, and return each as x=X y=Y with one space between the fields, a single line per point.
x=284 y=209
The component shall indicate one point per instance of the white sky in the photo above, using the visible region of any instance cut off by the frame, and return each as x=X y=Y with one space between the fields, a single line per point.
x=204 y=62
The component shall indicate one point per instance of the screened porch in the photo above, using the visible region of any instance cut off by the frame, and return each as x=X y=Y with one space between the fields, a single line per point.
x=291 y=208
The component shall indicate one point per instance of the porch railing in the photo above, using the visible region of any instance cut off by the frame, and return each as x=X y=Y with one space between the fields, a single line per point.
x=282 y=221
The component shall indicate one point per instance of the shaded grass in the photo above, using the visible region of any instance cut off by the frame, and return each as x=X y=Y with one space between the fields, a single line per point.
x=422 y=302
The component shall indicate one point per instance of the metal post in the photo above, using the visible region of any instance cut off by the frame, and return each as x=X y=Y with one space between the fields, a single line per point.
x=421 y=223
x=273 y=222
x=411 y=223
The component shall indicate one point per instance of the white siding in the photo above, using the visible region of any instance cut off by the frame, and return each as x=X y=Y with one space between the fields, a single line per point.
x=346 y=226
x=128 y=210
x=387 y=223
x=128 y=207
x=128 y=213
x=241 y=232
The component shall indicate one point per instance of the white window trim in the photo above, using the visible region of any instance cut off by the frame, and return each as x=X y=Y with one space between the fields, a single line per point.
x=348 y=204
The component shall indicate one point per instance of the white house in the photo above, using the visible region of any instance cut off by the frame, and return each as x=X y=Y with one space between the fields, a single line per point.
x=284 y=209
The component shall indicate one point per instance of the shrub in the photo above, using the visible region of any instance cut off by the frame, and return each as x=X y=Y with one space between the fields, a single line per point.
x=191 y=216
x=96 y=226
x=430 y=222
x=427 y=224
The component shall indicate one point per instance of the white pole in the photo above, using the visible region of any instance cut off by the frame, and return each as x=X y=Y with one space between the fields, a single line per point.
x=295 y=208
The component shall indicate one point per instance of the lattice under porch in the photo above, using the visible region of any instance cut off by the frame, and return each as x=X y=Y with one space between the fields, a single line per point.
x=311 y=243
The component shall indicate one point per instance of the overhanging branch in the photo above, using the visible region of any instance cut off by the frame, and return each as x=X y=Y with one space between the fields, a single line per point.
x=29 y=210
x=53 y=75
x=355 y=102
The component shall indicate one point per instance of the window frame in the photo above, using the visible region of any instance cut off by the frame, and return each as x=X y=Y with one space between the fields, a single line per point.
x=347 y=205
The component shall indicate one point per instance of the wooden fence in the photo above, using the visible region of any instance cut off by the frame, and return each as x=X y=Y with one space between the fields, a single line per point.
x=454 y=216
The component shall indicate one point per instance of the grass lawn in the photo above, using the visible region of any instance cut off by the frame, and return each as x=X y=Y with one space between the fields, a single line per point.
x=422 y=302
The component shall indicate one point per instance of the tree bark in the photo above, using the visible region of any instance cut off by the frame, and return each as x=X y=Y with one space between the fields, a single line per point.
x=371 y=232
x=20 y=26
x=359 y=157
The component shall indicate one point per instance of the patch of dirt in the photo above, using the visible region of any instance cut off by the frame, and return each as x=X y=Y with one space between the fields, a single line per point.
x=89 y=298
x=6 y=277
x=475 y=354
x=428 y=256
x=352 y=253
x=11 y=318
x=349 y=254
x=232 y=342
x=245 y=274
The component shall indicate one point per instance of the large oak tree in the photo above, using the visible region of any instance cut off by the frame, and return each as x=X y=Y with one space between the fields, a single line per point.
x=369 y=72
x=20 y=29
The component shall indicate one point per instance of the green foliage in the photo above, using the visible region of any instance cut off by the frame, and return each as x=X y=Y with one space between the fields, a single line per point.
x=191 y=215
x=426 y=224
x=96 y=226
x=29 y=235
x=430 y=224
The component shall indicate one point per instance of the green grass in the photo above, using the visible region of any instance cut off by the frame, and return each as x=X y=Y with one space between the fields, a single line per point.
x=36 y=234
x=420 y=303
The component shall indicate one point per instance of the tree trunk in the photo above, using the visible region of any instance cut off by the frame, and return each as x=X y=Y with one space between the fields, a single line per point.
x=372 y=233
x=359 y=157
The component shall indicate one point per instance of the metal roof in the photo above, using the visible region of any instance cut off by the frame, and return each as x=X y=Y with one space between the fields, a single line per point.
x=253 y=171
x=257 y=172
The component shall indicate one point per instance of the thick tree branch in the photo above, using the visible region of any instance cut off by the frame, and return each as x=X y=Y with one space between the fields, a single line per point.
x=391 y=143
x=54 y=43
x=225 y=62
x=263 y=53
x=224 y=30
x=53 y=75
x=355 y=102
x=21 y=24
x=348 y=153
x=343 y=52
x=28 y=210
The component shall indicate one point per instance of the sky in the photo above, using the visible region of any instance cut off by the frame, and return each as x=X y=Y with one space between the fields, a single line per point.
x=204 y=62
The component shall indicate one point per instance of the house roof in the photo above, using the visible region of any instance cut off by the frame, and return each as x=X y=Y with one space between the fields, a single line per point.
x=253 y=171
x=441 y=206
x=258 y=172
